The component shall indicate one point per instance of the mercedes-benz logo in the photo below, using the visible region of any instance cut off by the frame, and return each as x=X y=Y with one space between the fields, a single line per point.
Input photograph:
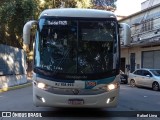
x=75 y=91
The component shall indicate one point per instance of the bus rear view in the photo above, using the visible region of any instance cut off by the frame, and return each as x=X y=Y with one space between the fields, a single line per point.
x=76 y=60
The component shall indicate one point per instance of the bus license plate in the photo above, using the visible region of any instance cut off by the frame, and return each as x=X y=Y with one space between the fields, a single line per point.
x=76 y=101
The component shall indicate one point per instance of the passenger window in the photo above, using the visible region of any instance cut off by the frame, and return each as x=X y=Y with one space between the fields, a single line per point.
x=138 y=72
x=145 y=73
x=135 y=72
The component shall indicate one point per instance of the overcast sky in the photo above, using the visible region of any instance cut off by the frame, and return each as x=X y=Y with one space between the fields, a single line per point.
x=127 y=7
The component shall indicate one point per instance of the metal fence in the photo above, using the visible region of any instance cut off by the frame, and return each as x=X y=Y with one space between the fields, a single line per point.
x=12 y=60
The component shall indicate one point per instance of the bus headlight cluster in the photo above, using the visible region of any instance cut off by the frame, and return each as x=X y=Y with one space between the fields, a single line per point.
x=110 y=87
x=41 y=85
x=113 y=86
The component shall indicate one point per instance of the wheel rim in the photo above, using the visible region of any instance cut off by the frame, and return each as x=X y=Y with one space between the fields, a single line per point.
x=155 y=86
x=132 y=83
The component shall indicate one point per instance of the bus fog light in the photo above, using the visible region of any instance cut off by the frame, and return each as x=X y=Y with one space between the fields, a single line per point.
x=41 y=85
x=43 y=100
x=109 y=100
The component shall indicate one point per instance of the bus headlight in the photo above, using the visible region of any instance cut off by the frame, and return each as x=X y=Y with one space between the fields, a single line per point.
x=41 y=85
x=113 y=86
x=110 y=87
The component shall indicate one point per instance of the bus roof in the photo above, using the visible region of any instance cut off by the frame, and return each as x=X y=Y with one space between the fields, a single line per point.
x=76 y=12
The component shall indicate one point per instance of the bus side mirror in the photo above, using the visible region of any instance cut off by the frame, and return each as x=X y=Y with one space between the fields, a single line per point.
x=27 y=33
x=125 y=33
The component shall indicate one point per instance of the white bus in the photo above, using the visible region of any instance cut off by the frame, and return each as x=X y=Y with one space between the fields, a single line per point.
x=76 y=58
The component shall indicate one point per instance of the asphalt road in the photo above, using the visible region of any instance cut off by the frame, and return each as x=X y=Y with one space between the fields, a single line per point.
x=132 y=101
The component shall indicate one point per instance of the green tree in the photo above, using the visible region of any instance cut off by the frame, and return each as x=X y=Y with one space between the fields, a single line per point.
x=2 y=1
x=44 y=4
x=108 y=5
x=13 y=15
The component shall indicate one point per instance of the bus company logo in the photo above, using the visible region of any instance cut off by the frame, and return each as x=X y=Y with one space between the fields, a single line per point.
x=75 y=91
x=91 y=84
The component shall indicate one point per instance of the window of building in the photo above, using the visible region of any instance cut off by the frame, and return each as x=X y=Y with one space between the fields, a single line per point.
x=147 y=25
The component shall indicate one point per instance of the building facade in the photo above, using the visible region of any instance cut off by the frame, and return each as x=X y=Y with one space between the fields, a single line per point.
x=144 y=49
x=149 y=3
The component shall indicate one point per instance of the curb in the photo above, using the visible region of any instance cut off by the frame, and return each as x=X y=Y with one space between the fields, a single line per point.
x=16 y=87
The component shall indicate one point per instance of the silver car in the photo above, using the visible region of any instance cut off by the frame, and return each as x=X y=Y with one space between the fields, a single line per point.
x=145 y=77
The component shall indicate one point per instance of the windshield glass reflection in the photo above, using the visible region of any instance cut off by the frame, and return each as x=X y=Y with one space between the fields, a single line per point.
x=71 y=46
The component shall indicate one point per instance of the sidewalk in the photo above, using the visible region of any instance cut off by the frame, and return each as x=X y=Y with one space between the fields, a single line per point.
x=28 y=83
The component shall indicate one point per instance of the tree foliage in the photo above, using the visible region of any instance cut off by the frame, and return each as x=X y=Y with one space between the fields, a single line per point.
x=44 y=4
x=104 y=4
x=15 y=13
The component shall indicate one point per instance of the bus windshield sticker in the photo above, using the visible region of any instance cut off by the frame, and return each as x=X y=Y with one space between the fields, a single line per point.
x=57 y=22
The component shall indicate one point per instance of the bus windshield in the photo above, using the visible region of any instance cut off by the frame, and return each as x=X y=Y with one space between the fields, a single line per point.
x=75 y=46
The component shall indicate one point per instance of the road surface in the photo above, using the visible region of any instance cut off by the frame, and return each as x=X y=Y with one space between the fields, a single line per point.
x=132 y=102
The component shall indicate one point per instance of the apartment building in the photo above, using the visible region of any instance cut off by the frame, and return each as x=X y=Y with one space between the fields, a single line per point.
x=144 y=49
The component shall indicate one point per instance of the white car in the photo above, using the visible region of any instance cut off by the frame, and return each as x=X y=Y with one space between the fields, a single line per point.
x=145 y=77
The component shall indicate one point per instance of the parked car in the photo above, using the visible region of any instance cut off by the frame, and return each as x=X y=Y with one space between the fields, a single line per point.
x=124 y=78
x=145 y=77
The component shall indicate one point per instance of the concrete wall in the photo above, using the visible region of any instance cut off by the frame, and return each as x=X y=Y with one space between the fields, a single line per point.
x=12 y=60
x=12 y=66
x=12 y=80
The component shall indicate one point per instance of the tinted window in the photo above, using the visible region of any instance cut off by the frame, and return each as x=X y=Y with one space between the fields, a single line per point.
x=138 y=72
x=156 y=72
x=145 y=73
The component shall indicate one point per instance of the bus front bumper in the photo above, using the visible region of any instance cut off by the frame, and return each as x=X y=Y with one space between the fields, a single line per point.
x=103 y=100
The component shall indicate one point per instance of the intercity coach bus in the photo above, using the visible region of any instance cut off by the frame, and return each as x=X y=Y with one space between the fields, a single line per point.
x=76 y=57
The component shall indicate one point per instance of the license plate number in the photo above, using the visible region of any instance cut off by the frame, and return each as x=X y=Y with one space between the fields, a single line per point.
x=76 y=101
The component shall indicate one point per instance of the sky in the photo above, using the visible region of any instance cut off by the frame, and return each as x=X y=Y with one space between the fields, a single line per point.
x=127 y=7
